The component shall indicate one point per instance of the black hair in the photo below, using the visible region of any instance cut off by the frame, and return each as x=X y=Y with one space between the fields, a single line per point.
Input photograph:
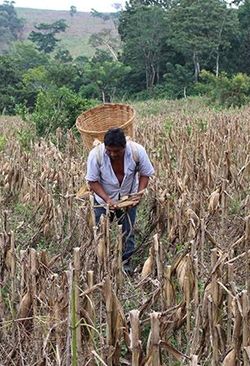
x=115 y=137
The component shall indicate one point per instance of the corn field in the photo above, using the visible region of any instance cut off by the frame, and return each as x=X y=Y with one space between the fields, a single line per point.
x=65 y=299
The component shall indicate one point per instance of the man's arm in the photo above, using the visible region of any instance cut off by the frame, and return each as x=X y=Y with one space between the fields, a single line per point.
x=143 y=183
x=98 y=189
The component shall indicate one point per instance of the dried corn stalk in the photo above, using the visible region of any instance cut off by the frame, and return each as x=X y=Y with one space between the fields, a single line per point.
x=135 y=342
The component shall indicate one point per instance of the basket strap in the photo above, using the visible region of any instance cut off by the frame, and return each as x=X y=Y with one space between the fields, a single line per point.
x=135 y=152
x=99 y=154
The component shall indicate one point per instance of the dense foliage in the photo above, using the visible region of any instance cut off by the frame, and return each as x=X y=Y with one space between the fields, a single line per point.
x=165 y=49
x=10 y=25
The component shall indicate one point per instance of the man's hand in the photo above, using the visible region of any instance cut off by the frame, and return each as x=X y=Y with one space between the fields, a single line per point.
x=111 y=203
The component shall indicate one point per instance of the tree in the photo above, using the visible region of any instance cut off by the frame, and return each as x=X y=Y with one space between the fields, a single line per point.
x=73 y=10
x=108 y=17
x=62 y=74
x=45 y=39
x=63 y=56
x=143 y=34
x=10 y=25
x=105 y=39
x=162 y=3
x=32 y=70
x=103 y=79
x=27 y=56
x=244 y=41
x=10 y=84
x=200 y=29
x=34 y=81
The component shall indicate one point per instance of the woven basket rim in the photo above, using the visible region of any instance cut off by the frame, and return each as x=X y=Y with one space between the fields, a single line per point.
x=89 y=111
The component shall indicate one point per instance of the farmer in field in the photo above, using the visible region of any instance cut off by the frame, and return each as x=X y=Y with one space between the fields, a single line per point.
x=115 y=169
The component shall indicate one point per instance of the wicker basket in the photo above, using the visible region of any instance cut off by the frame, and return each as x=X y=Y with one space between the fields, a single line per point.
x=94 y=123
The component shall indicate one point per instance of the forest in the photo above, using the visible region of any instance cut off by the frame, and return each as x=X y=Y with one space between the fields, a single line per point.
x=165 y=49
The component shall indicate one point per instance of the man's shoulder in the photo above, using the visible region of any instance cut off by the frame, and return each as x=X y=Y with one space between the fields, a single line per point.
x=135 y=145
x=96 y=149
x=97 y=152
x=137 y=150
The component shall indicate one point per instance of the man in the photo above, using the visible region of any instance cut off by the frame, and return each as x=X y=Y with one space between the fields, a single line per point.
x=116 y=169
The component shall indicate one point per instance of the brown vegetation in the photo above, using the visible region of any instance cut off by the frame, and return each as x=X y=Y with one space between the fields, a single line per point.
x=70 y=303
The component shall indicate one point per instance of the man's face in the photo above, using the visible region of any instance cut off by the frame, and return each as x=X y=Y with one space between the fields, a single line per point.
x=114 y=152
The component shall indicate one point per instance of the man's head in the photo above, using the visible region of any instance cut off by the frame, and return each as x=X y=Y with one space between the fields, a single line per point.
x=115 y=143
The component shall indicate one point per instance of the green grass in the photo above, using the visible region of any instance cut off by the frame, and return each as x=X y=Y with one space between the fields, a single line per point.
x=80 y=27
x=77 y=45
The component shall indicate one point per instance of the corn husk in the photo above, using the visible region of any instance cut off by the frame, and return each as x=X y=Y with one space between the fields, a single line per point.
x=148 y=265
x=25 y=306
x=230 y=359
x=83 y=192
x=185 y=269
x=8 y=259
x=128 y=201
x=168 y=288
x=101 y=248
x=214 y=198
x=191 y=215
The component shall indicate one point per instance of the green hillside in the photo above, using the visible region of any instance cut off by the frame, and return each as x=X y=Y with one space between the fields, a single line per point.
x=81 y=26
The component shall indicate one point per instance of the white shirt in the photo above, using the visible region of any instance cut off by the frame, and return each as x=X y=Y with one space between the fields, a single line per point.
x=100 y=170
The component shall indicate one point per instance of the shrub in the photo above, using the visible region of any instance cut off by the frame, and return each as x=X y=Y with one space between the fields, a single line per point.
x=57 y=108
x=206 y=84
x=233 y=92
x=223 y=90
x=26 y=135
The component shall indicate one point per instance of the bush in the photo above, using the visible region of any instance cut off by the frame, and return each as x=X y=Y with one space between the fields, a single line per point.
x=206 y=84
x=57 y=108
x=26 y=135
x=233 y=92
x=223 y=90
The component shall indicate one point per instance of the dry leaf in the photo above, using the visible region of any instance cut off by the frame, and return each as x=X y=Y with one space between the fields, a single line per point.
x=230 y=359
x=214 y=203
x=148 y=265
x=191 y=215
x=24 y=306
x=101 y=248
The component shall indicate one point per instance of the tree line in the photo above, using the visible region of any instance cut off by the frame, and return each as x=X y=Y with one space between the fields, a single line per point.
x=165 y=49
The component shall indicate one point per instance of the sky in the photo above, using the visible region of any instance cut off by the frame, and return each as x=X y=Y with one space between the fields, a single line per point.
x=81 y=5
